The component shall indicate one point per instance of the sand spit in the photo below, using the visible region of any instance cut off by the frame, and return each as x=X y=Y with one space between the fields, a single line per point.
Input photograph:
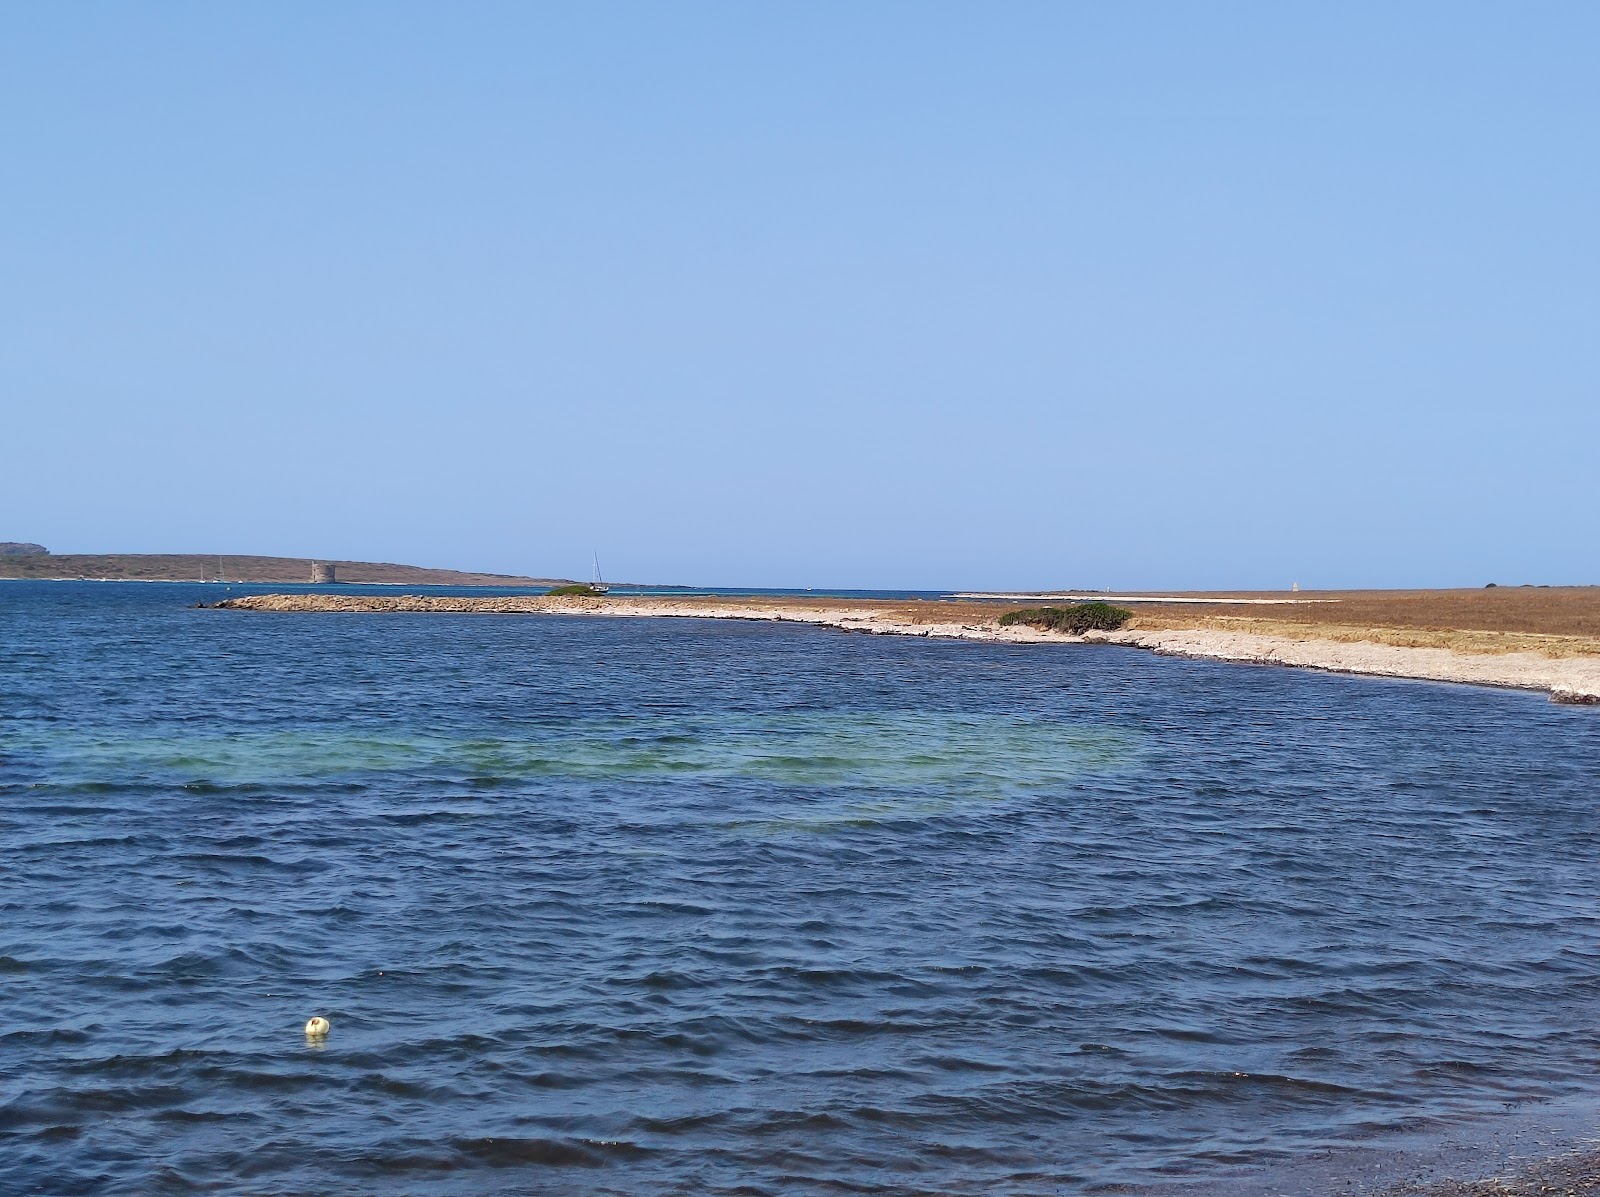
x=1574 y=679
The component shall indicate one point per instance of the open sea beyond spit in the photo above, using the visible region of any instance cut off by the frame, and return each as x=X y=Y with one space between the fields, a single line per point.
x=645 y=906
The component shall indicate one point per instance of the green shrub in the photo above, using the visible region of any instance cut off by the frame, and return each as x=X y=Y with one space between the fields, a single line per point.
x=1077 y=619
x=577 y=589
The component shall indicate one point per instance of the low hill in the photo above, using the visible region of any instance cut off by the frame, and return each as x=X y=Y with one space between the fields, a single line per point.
x=210 y=567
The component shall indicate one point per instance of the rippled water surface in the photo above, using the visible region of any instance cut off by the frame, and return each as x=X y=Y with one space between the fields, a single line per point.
x=644 y=906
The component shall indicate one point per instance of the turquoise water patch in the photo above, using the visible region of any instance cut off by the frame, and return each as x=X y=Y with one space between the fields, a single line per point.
x=951 y=754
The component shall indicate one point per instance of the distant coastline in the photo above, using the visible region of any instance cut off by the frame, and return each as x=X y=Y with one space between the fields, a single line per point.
x=251 y=569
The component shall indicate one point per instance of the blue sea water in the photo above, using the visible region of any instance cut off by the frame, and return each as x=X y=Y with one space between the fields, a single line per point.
x=643 y=906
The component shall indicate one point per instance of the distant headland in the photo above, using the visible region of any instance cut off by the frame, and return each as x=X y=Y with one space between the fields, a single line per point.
x=21 y=561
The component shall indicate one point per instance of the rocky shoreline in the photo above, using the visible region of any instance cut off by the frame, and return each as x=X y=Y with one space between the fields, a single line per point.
x=1570 y=679
x=1576 y=1174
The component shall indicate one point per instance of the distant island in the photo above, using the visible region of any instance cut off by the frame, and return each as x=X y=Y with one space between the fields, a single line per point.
x=22 y=561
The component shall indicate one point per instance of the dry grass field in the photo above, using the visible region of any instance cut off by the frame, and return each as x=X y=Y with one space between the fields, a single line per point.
x=1544 y=610
x=1553 y=621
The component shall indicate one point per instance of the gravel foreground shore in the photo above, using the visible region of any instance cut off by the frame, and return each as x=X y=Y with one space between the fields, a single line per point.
x=1569 y=679
x=1576 y=1175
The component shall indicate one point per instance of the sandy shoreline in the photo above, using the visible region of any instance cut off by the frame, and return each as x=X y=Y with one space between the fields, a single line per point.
x=1572 y=678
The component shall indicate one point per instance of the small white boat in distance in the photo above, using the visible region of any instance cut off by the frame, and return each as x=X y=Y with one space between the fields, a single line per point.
x=598 y=585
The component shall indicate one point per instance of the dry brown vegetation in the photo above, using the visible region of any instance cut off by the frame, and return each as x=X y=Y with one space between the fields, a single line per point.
x=1554 y=621
x=1541 y=610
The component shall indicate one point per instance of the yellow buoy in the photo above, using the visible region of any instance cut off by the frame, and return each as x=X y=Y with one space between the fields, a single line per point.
x=316 y=1028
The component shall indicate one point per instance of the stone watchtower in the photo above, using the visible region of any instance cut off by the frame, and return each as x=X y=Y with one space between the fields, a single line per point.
x=321 y=573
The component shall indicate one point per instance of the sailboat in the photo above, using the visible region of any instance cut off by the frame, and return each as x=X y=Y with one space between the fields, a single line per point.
x=598 y=585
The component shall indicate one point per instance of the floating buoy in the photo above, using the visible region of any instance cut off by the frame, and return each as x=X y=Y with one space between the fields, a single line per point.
x=317 y=1027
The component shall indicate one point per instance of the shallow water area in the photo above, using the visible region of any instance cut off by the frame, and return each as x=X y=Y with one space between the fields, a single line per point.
x=647 y=905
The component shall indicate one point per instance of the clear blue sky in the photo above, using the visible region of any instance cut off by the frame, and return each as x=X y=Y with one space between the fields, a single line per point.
x=833 y=294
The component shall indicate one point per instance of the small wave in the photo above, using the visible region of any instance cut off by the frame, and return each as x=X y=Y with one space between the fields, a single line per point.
x=187 y=1117
x=511 y=1152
